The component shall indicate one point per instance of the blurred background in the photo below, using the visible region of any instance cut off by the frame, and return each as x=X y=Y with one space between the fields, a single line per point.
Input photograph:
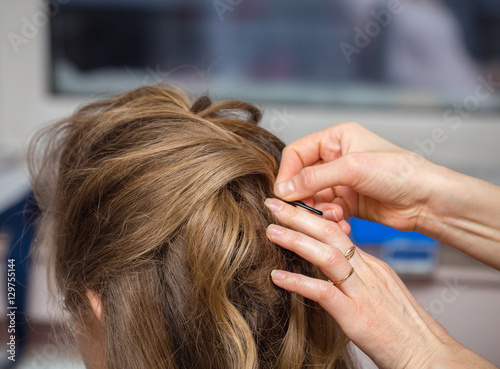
x=424 y=74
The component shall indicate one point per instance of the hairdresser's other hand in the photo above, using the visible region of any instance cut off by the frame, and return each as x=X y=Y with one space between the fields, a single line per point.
x=367 y=176
x=372 y=306
x=371 y=178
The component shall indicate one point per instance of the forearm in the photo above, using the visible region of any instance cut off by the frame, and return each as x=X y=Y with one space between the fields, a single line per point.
x=459 y=357
x=464 y=212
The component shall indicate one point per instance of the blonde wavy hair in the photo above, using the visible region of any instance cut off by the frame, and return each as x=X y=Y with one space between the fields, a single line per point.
x=156 y=204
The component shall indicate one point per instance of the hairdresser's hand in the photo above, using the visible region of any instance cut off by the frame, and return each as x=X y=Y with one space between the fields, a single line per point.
x=372 y=306
x=366 y=175
x=347 y=171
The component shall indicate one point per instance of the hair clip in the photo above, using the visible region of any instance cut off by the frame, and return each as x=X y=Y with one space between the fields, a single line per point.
x=307 y=207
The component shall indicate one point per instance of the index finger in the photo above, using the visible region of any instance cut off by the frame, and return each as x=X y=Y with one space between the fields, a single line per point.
x=306 y=151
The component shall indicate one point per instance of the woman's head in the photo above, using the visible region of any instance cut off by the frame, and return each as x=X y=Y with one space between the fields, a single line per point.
x=154 y=208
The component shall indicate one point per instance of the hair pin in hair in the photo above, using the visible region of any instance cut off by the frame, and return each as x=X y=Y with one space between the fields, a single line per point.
x=307 y=207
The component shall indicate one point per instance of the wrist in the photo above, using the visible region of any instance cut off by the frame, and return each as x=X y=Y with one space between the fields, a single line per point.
x=457 y=356
x=443 y=198
x=463 y=212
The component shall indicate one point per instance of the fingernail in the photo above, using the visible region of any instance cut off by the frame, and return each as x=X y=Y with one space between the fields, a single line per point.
x=274 y=205
x=275 y=230
x=278 y=275
x=333 y=215
x=285 y=188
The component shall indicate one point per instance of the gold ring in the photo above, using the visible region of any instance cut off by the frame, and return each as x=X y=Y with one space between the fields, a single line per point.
x=350 y=252
x=343 y=279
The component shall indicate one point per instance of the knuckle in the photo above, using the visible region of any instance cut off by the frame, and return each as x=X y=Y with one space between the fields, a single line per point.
x=332 y=229
x=295 y=238
x=333 y=258
x=352 y=160
x=351 y=128
x=307 y=177
x=291 y=215
x=358 y=166
x=287 y=151
x=326 y=292
x=383 y=267
x=350 y=125
x=294 y=284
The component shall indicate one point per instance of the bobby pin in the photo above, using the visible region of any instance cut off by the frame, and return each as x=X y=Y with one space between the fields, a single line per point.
x=307 y=207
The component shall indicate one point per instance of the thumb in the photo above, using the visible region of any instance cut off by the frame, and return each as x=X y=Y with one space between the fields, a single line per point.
x=344 y=171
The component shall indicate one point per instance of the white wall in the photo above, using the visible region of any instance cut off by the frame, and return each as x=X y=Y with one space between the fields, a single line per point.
x=472 y=147
x=24 y=101
x=25 y=105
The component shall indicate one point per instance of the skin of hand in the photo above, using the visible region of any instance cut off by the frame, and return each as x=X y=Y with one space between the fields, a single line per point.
x=372 y=306
x=346 y=170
